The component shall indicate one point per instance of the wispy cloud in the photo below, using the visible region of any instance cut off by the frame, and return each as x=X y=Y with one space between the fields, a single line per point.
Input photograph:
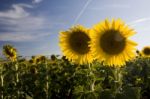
x=17 y=24
x=141 y=20
x=16 y=12
x=111 y=6
x=27 y=24
x=117 y=6
x=82 y=11
x=19 y=37
x=37 y=1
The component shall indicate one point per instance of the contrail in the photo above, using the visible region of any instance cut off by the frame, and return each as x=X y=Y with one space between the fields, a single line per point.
x=139 y=21
x=82 y=11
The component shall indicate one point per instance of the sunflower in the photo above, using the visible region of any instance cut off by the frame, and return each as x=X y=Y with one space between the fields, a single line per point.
x=10 y=52
x=74 y=44
x=53 y=57
x=37 y=59
x=43 y=59
x=110 y=44
x=32 y=60
x=146 y=51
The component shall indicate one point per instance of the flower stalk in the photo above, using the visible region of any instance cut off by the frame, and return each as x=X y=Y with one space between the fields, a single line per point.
x=47 y=84
x=17 y=79
x=2 y=84
x=92 y=85
x=118 y=79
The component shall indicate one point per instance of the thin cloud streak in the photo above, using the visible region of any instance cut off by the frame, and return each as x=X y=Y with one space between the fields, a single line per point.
x=139 y=21
x=19 y=25
x=111 y=6
x=21 y=37
x=17 y=11
x=117 y=6
x=82 y=11
x=37 y=1
x=24 y=24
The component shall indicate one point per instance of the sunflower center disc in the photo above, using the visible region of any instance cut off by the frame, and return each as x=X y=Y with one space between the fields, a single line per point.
x=79 y=42
x=11 y=54
x=147 y=51
x=112 y=42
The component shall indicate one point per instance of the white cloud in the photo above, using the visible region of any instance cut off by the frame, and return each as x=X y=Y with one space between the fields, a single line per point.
x=19 y=37
x=16 y=12
x=29 y=23
x=37 y=1
x=17 y=24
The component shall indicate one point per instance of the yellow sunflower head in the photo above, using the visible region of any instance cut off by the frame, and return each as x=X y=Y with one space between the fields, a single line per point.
x=10 y=52
x=38 y=59
x=42 y=59
x=110 y=43
x=32 y=60
x=53 y=57
x=146 y=51
x=74 y=44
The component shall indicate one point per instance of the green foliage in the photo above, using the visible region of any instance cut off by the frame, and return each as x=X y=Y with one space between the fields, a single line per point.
x=59 y=79
x=129 y=93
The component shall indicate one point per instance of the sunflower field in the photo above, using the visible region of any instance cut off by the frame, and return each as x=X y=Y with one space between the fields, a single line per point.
x=97 y=63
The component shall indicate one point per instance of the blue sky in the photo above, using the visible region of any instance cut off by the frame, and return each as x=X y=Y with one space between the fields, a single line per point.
x=33 y=26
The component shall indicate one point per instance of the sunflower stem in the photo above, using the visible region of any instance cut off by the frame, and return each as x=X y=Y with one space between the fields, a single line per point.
x=92 y=85
x=2 y=84
x=118 y=79
x=47 y=84
x=17 y=79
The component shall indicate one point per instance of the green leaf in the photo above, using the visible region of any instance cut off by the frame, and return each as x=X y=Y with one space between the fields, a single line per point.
x=106 y=94
x=129 y=93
